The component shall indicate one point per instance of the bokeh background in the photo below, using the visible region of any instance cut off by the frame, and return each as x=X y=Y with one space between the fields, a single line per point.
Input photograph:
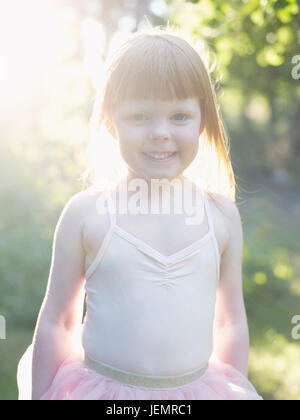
x=51 y=60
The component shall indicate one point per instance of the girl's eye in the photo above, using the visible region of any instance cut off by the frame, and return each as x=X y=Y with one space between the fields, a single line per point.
x=144 y=117
x=138 y=117
x=181 y=119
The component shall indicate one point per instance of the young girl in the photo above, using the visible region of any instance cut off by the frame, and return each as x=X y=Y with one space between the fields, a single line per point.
x=165 y=316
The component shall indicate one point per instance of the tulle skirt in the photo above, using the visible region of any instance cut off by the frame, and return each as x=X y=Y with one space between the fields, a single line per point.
x=75 y=381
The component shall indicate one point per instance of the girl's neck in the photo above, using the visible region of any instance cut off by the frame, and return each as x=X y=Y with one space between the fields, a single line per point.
x=152 y=190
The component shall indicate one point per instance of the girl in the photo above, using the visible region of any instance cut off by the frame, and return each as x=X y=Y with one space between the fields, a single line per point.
x=165 y=315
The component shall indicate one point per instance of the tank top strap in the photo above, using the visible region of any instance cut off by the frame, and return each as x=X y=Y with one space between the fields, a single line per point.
x=109 y=199
x=208 y=209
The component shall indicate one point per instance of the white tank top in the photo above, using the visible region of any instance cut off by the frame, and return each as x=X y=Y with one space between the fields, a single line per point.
x=149 y=313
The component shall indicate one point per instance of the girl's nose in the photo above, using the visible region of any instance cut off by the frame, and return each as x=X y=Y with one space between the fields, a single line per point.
x=160 y=132
x=159 y=136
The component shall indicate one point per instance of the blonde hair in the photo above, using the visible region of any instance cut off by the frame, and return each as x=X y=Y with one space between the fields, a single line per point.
x=161 y=63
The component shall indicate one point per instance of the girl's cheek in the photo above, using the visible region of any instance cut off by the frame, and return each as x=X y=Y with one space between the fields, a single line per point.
x=190 y=135
x=135 y=130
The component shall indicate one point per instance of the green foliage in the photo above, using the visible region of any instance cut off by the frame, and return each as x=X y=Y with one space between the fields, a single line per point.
x=253 y=43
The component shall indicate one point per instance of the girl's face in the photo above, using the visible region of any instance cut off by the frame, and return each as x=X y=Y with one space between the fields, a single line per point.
x=158 y=139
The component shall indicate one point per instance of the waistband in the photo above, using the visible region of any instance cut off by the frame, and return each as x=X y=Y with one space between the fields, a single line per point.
x=148 y=381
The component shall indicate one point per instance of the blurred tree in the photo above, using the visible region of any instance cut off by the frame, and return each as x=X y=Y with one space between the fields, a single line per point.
x=254 y=42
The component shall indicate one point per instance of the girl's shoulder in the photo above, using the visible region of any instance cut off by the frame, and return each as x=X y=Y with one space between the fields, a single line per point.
x=93 y=223
x=85 y=202
x=224 y=205
x=80 y=207
x=82 y=200
x=226 y=217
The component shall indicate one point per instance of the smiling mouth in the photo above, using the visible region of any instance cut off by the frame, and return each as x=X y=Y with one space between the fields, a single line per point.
x=160 y=156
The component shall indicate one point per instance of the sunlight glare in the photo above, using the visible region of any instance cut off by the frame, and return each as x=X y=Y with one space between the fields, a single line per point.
x=31 y=44
x=93 y=38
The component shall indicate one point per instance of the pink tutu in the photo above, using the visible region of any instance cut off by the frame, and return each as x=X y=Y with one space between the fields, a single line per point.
x=75 y=381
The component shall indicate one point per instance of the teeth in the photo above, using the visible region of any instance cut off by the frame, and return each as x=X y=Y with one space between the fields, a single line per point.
x=159 y=155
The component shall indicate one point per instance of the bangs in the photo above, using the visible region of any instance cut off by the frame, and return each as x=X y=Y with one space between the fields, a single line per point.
x=156 y=69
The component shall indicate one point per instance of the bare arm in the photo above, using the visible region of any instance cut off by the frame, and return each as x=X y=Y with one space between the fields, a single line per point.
x=61 y=310
x=231 y=335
